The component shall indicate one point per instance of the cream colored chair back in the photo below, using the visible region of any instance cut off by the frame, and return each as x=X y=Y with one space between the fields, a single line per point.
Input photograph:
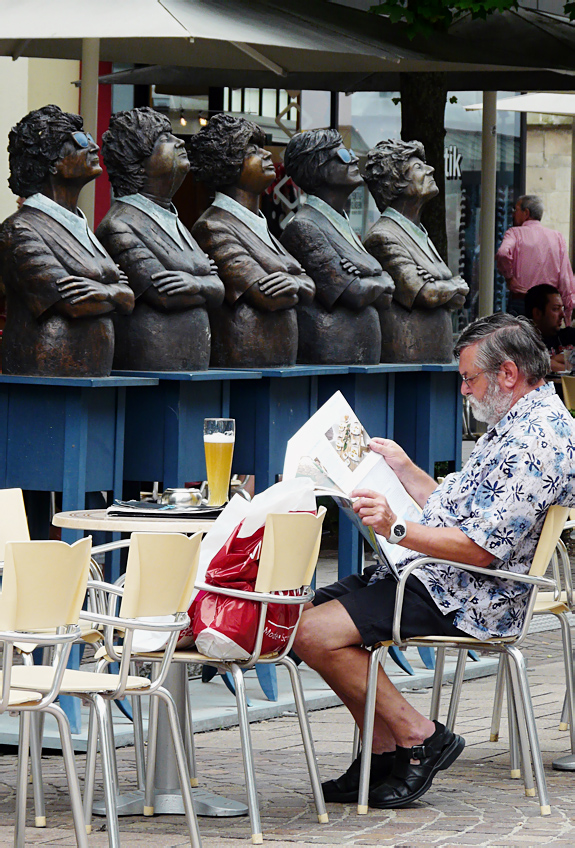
x=13 y=521
x=568 y=386
x=290 y=549
x=550 y=534
x=160 y=574
x=44 y=584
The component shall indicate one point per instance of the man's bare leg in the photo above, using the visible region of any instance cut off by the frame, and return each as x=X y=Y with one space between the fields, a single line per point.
x=328 y=641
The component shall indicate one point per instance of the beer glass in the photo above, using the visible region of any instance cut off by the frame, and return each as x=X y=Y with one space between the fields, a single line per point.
x=219 y=438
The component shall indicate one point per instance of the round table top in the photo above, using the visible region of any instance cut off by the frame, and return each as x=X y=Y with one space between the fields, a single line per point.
x=98 y=519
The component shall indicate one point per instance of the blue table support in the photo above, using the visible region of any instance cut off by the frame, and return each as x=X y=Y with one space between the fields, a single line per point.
x=63 y=435
x=165 y=426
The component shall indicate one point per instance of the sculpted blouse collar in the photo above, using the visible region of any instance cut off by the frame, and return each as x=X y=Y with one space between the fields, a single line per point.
x=256 y=223
x=76 y=224
x=418 y=234
x=339 y=222
x=166 y=219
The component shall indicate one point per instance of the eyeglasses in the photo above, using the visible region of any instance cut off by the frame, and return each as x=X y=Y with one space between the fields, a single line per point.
x=83 y=139
x=469 y=380
x=346 y=156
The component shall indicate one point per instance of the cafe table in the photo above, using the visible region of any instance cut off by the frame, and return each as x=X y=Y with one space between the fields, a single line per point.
x=167 y=794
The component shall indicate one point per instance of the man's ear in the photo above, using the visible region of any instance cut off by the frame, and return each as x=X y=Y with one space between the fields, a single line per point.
x=508 y=375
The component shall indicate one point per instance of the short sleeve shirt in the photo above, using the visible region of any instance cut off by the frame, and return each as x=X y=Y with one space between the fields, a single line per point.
x=518 y=469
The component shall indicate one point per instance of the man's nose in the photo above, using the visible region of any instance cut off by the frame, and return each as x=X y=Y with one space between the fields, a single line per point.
x=465 y=389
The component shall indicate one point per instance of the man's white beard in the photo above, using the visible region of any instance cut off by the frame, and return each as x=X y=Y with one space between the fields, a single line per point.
x=495 y=404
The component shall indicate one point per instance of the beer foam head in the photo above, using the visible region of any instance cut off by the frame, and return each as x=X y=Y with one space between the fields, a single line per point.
x=220 y=438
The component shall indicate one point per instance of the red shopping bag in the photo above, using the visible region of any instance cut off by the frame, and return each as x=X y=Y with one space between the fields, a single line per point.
x=226 y=628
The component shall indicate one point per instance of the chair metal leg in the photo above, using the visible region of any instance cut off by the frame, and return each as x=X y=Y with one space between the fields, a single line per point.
x=71 y=775
x=564 y=720
x=113 y=750
x=456 y=689
x=36 y=761
x=368 y=725
x=437 y=684
x=152 y=753
x=139 y=743
x=90 y=772
x=248 y=756
x=355 y=746
x=22 y=780
x=178 y=741
x=189 y=739
x=498 y=700
x=107 y=757
x=515 y=765
x=520 y=738
x=307 y=739
x=518 y=673
x=569 y=677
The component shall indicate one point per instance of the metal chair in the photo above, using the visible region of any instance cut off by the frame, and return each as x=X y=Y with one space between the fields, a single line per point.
x=288 y=559
x=160 y=576
x=43 y=587
x=508 y=647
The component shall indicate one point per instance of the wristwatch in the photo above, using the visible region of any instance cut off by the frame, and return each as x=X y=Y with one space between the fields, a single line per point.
x=398 y=532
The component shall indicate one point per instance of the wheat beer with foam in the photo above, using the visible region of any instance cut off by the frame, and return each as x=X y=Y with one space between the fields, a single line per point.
x=219 y=440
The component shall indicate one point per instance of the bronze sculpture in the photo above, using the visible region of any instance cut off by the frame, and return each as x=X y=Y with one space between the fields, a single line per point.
x=341 y=325
x=418 y=326
x=61 y=285
x=173 y=280
x=256 y=326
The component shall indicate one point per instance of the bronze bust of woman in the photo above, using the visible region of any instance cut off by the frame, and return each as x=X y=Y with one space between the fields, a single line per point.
x=341 y=325
x=173 y=280
x=418 y=326
x=61 y=285
x=256 y=326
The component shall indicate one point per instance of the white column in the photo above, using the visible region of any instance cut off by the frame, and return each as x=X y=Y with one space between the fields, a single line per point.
x=487 y=221
x=89 y=112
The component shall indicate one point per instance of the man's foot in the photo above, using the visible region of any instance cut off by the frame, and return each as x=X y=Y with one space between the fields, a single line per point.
x=345 y=789
x=409 y=782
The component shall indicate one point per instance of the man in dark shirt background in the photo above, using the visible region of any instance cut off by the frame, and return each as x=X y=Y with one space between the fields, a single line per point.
x=543 y=305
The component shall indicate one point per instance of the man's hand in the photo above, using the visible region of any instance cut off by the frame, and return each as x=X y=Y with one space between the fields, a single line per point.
x=393 y=454
x=374 y=511
x=419 y=484
x=175 y=282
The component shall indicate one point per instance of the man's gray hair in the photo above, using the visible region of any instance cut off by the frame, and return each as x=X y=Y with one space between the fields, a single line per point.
x=503 y=337
x=534 y=204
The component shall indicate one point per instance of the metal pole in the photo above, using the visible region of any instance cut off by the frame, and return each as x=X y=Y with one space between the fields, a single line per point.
x=487 y=228
x=89 y=112
x=572 y=205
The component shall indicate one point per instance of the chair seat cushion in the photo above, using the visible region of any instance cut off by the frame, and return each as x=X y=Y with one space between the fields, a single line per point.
x=39 y=677
x=18 y=697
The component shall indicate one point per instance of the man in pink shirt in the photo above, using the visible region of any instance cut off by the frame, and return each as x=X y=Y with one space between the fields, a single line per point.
x=531 y=254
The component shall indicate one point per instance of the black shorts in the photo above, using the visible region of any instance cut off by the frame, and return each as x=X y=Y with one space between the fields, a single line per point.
x=371 y=607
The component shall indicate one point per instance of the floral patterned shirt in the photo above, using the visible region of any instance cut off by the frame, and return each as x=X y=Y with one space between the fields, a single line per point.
x=519 y=468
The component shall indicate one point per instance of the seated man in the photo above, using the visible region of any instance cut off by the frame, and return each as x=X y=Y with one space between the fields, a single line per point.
x=489 y=514
x=544 y=306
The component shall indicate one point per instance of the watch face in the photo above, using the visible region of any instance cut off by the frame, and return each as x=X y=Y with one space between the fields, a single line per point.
x=399 y=530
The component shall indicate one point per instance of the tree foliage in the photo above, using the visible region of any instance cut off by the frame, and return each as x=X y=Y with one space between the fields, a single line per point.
x=425 y=16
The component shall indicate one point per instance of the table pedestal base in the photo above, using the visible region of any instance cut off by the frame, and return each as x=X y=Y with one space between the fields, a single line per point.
x=206 y=803
x=566 y=763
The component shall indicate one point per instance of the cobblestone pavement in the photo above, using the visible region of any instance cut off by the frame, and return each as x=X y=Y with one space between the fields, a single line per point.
x=473 y=803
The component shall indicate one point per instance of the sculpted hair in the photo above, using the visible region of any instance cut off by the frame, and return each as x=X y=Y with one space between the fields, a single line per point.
x=385 y=168
x=129 y=140
x=34 y=144
x=502 y=337
x=537 y=297
x=305 y=154
x=218 y=150
x=534 y=204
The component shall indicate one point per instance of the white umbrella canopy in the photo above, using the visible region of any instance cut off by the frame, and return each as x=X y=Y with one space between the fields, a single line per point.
x=543 y=103
x=193 y=33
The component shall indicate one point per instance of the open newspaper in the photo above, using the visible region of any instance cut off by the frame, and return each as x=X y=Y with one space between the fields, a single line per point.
x=333 y=449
